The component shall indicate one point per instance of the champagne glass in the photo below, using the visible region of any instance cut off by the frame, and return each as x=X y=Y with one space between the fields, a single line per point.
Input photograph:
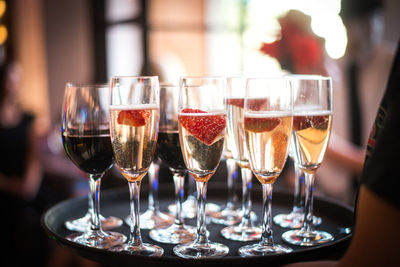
x=268 y=128
x=86 y=140
x=236 y=90
x=169 y=151
x=230 y=215
x=134 y=108
x=82 y=223
x=153 y=217
x=312 y=119
x=202 y=123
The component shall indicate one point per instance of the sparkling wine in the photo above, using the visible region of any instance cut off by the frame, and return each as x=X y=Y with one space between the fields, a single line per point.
x=92 y=153
x=268 y=138
x=134 y=137
x=311 y=134
x=235 y=133
x=202 y=145
x=169 y=149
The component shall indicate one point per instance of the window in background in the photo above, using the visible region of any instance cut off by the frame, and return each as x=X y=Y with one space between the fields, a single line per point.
x=207 y=37
x=239 y=27
x=124 y=37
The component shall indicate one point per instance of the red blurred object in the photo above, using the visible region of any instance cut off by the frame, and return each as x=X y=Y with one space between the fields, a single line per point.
x=299 y=50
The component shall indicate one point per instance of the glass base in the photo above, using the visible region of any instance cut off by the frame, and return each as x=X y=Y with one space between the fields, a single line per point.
x=98 y=239
x=189 y=208
x=229 y=217
x=294 y=220
x=306 y=239
x=151 y=219
x=142 y=250
x=226 y=216
x=262 y=250
x=198 y=251
x=82 y=224
x=175 y=234
x=242 y=233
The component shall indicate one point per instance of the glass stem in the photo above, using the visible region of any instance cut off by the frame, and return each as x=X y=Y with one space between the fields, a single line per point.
x=94 y=183
x=153 y=187
x=90 y=201
x=179 y=181
x=201 y=237
x=135 y=238
x=246 y=201
x=308 y=216
x=232 y=175
x=266 y=236
x=298 y=202
x=191 y=186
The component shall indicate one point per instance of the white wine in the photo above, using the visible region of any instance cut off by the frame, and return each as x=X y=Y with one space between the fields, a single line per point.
x=202 y=137
x=268 y=139
x=134 y=135
x=311 y=135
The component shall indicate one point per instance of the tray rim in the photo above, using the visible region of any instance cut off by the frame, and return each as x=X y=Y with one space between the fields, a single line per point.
x=93 y=253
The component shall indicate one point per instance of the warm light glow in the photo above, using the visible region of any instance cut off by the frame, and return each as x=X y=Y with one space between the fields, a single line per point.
x=3 y=34
x=3 y=7
x=325 y=23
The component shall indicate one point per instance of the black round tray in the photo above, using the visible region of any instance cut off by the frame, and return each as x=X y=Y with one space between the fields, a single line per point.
x=337 y=219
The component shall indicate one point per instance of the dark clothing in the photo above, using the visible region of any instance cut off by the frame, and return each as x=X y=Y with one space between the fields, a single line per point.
x=23 y=239
x=14 y=144
x=381 y=172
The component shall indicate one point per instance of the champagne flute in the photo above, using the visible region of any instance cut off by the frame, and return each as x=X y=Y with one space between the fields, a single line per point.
x=169 y=151
x=134 y=108
x=268 y=128
x=86 y=140
x=202 y=123
x=312 y=119
x=153 y=217
x=236 y=90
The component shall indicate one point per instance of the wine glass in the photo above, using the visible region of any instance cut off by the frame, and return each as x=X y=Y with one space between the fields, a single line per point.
x=202 y=123
x=82 y=223
x=236 y=90
x=86 y=140
x=169 y=151
x=230 y=215
x=153 y=218
x=134 y=108
x=312 y=119
x=268 y=123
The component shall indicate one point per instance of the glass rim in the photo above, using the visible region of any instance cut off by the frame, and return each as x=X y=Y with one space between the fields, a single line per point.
x=168 y=84
x=311 y=77
x=83 y=85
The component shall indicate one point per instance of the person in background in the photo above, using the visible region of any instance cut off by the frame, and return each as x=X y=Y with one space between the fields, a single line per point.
x=359 y=80
x=376 y=231
x=22 y=196
x=356 y=88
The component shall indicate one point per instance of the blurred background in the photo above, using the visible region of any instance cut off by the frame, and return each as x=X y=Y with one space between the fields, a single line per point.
x=52 y=42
